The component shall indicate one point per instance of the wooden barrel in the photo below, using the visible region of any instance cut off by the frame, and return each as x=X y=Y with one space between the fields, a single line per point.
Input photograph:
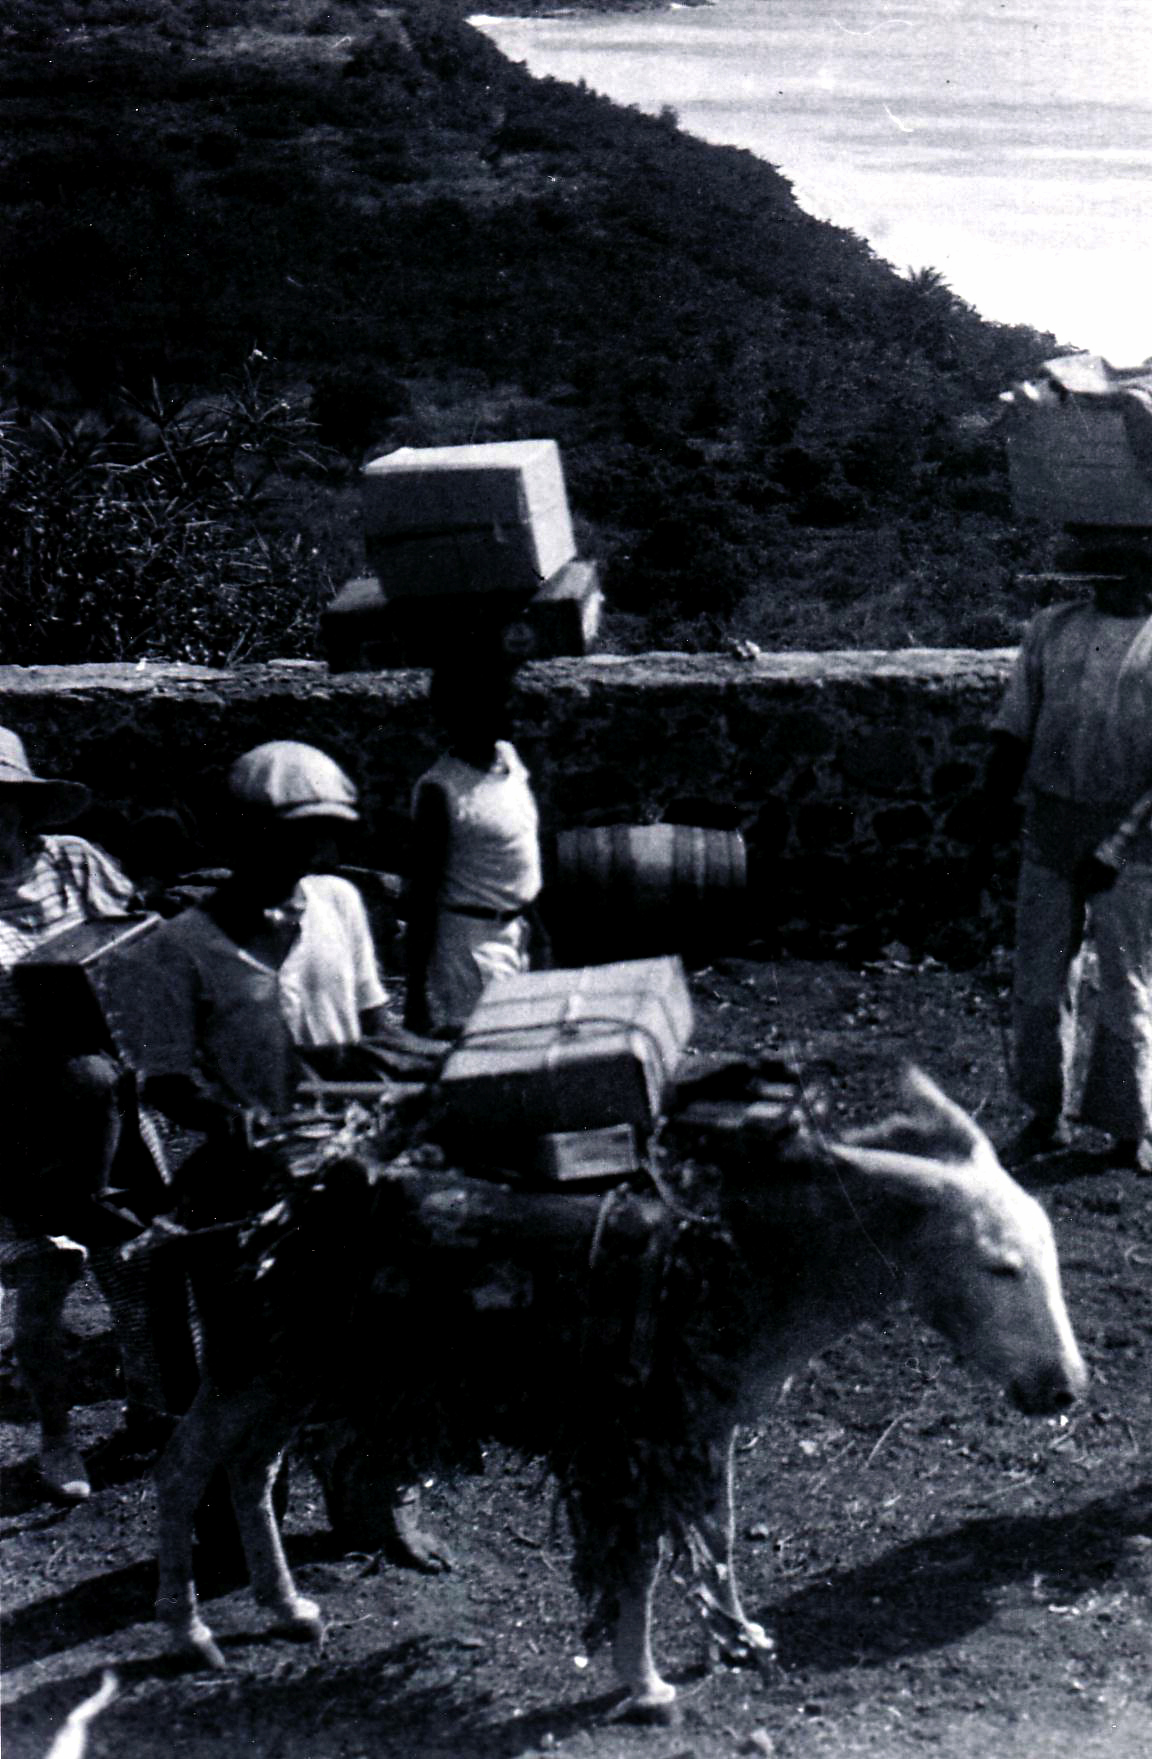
x=631 y=891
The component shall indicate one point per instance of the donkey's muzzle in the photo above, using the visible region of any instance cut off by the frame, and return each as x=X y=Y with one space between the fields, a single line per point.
x=1049 y=1393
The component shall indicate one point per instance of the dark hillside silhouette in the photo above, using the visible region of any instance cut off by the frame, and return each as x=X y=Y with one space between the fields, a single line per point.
x=762 y=423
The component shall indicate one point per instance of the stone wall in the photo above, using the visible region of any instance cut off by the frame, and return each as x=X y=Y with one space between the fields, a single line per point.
x=852 y=775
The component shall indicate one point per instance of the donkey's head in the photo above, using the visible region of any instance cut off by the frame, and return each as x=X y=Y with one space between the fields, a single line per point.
x=979 y=1263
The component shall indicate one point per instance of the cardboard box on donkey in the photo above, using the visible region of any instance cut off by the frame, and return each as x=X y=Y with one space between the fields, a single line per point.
x=553 y=1052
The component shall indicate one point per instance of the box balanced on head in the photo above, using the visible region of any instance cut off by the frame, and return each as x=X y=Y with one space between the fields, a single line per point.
x=464 y=543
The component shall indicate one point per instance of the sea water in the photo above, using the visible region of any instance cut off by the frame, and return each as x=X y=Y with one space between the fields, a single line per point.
x=1006 y=144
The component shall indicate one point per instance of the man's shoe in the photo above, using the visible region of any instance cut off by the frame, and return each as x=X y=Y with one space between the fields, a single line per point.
x=1039 y=1136
x=409 y=1544
x=63 y=1471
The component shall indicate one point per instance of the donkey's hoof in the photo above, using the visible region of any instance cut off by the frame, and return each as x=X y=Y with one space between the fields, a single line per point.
x=657 y=1707
x=197 y=1648
x=749 y=1645
x=302 y=1630
x=299 y=1623
x=657 y=1713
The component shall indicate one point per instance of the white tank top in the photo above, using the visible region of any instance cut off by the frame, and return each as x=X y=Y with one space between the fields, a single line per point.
x=494 y=843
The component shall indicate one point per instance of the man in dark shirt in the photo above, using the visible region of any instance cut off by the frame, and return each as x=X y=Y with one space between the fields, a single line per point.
x=61 y=1116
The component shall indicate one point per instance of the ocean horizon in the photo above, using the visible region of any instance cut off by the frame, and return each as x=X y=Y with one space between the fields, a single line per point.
x=1006 y=145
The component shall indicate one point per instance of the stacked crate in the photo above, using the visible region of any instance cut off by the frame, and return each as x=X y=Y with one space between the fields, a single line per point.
x=561 y=1076
x=465 y=545
x=1079 y=441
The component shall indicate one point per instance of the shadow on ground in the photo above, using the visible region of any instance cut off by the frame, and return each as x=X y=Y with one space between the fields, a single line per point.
x=1064 y=1167
x=427 y=1694
x=931 y=1592
x=99 y=1606
x=417 y=1697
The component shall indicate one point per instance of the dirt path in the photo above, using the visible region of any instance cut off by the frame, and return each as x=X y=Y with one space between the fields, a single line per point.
x=941 y=1573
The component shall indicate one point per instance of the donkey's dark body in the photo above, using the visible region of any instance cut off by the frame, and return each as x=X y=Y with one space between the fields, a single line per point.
x=621 y=1341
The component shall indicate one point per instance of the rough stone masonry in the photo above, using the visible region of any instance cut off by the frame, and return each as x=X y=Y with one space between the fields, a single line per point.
x=852 y=775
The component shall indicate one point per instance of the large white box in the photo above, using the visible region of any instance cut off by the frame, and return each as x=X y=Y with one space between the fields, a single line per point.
x=1079 y=443
x=560 y=1051
x=490 y=518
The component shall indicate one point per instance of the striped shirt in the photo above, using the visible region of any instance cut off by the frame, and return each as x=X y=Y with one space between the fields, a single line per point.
x=65 y=881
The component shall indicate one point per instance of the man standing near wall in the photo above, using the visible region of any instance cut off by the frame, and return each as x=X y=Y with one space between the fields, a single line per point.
x=1075 y=726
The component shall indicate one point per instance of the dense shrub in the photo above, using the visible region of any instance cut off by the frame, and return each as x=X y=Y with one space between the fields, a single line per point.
x=153 y=534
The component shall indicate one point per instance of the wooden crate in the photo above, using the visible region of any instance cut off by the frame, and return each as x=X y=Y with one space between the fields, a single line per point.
x=1079 y=442
x=66 y=984
x=587 y=1158
x=365 y=630
x=554 y=1052
x=467 y=519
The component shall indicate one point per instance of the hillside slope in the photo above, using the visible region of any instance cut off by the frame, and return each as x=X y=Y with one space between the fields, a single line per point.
x=759 y=418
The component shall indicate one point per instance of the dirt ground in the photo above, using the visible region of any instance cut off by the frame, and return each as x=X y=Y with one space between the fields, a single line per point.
x=941 y=1573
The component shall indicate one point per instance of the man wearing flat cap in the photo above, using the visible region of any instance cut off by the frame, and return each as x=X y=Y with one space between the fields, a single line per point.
x=274 y=974
x=269 y=981
x=61 y=1116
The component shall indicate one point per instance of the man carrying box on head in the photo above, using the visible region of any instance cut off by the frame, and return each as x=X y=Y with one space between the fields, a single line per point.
x=1076 y=726
x=476 y=852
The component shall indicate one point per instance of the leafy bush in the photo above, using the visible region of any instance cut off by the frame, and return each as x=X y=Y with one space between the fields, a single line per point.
x=161 y=532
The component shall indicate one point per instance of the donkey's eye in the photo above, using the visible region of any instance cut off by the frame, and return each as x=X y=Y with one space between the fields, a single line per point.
x=1006 y=1267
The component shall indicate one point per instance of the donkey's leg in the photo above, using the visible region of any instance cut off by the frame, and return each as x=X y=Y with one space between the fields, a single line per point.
x=740 y=1638
x=650 y=1698
x=200 y=1444
x=252 y=1473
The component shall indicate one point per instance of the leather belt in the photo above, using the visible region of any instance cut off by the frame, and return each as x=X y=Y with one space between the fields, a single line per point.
x=482 y=913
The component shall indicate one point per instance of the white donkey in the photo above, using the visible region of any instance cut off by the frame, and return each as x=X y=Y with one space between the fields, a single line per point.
x=622 y=1341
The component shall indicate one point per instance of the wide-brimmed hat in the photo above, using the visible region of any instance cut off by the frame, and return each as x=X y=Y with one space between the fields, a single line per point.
x=291 y=780
x=47 y=801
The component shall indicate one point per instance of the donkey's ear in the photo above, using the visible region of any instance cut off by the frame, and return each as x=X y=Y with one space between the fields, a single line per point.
x=949 y=1120
x=904 y=1172
x=932 y=1127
